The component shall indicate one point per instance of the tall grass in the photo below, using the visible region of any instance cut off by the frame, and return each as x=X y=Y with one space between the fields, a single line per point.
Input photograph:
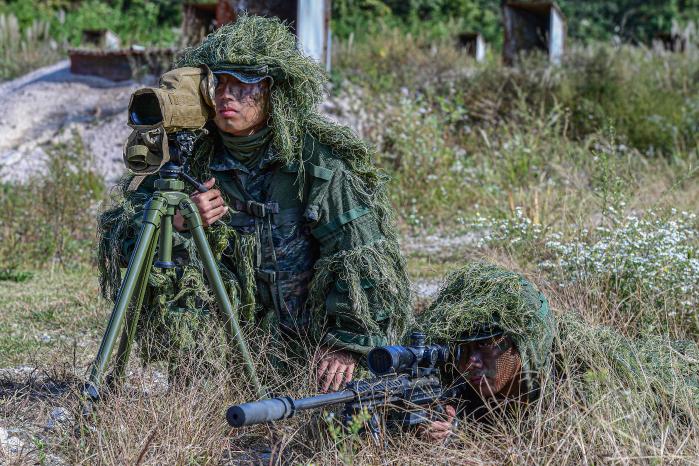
x=584 y=417
x=24 y=50
x=50 y=219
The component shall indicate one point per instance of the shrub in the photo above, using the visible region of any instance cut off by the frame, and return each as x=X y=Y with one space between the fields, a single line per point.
x=51 y=218
x=648 y=264
x=22 y=51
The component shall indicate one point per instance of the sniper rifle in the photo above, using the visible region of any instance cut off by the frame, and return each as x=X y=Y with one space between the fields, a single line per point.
x=406 y=386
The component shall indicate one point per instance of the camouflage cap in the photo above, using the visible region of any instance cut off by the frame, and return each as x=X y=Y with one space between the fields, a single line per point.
x=249 y=74
x=484 y=332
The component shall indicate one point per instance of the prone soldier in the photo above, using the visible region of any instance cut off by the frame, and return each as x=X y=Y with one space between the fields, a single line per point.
x=501 y=350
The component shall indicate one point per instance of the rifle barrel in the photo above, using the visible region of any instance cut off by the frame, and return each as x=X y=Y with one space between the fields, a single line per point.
x=274 y=409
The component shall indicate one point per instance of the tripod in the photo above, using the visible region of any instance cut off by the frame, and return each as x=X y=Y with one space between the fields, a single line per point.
x=157 y=230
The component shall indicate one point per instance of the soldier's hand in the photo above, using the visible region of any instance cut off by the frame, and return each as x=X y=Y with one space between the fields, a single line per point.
x=335 y=368
x=438 y=431
x=210 y=204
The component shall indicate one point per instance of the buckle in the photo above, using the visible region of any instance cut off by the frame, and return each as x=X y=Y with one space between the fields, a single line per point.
x=257 y=208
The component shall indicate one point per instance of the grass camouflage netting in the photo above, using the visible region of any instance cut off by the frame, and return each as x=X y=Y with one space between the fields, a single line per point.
x=379 y=264
x=643 y=381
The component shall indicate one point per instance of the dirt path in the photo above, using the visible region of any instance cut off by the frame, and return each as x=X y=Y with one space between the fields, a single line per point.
x=47 y=105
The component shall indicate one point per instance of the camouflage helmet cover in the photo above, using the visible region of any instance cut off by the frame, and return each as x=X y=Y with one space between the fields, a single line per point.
x=256 y=47
x=482 y=295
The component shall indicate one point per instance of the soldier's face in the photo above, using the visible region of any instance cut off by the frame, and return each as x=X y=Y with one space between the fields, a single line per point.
x=491 y=366
x=241 y=108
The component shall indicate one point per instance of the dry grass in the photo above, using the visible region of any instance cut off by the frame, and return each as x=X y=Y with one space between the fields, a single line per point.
x=149 y=422
x=23 y=51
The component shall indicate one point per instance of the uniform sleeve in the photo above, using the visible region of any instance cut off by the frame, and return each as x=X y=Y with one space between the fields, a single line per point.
x=360 y=285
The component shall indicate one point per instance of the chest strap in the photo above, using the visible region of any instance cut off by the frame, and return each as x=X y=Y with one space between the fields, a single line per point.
x=283 y=217
x=256 y=209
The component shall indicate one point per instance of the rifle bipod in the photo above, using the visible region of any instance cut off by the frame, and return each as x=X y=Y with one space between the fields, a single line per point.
x=157 y=230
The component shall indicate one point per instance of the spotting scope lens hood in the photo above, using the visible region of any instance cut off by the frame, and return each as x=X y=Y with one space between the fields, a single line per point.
x=183 y=101
x=145 y=109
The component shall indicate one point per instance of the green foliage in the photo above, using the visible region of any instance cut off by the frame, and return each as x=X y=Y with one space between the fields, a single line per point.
x=436 y=18
x=51 y=218
x=14 y=275
x=348 y=438
x=632 y=20
x=135 y=21
x=23 y=50
x=590 y=20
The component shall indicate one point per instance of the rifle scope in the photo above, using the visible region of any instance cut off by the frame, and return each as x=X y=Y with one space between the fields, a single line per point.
x=401 y=359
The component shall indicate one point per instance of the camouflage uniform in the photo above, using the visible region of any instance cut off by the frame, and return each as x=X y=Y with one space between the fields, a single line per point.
x=326 y=220
x=309 y=244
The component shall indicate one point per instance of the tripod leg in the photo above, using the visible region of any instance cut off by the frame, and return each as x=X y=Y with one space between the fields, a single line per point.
x=131 y=321
x=191 y=214
x=151 y=220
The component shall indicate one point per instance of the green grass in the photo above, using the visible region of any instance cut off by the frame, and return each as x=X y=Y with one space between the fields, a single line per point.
x=49 y=314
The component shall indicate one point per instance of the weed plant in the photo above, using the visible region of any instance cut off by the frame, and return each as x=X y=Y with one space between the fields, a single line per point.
x=23 y=50
x=50 y=219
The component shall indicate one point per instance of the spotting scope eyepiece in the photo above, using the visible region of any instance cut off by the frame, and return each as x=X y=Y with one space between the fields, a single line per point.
x=405 y=359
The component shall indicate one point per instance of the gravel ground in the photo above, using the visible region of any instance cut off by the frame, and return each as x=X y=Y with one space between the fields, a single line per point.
x=48 y=105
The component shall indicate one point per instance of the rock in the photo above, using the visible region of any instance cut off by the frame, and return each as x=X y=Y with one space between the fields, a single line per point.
x=57 y=417
x=10 y=445
x=48 y=105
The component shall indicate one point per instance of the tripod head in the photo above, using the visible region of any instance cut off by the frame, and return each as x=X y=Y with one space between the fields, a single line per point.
x=181 y=145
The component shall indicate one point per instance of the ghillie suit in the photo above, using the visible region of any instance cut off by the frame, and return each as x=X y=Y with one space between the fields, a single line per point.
x=311 y=248
x=483 y=294
x=640 y=383
x=643 y=383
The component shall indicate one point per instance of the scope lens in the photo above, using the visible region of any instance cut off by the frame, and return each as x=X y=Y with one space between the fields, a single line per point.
x=145 y=110
x=387 y=359
x=380 y=361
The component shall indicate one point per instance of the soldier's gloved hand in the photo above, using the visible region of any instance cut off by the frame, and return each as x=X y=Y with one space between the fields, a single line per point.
x=438 y=431
x=210 y=204
x=335 y=368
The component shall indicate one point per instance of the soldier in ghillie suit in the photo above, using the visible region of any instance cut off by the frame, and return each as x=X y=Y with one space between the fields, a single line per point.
x=296 y=213
x=501 y=329
x=510 y=345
